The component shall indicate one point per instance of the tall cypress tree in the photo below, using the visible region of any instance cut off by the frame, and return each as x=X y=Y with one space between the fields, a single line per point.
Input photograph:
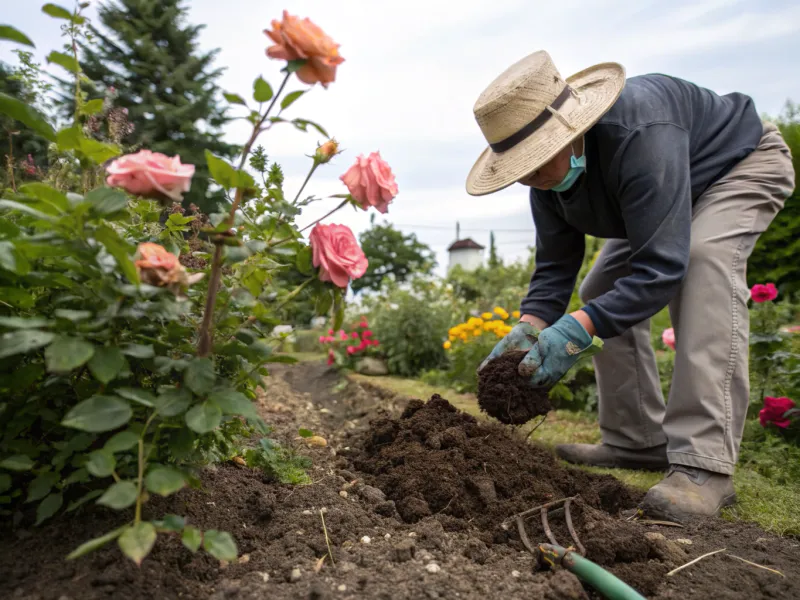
x=147 y=51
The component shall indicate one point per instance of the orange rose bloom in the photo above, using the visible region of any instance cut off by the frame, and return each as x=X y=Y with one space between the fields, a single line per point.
x=326 y=151
x=300 y=39
x=156 y=266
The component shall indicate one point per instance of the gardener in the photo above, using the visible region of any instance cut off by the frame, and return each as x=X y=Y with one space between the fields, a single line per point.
x=681 y=182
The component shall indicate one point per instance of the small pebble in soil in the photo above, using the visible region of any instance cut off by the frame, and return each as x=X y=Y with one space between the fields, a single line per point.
x=264 y=576
x=507 y=396
x=343 y=494
x=432 y=568
x=295 y=575
x=515 y=573
x=342 y=588
x=683 y=541
x=366 y=539
x=307 y=512
x=412 y=534
x=387 y=536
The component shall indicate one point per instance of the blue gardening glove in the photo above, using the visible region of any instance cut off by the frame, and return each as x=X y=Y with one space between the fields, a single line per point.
x=559 y=347
x=521 y=337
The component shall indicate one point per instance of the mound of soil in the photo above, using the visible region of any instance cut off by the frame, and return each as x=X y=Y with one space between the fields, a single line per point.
x=507 y=396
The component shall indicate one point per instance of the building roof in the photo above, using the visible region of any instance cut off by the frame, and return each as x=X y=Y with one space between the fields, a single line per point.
x=465 y=244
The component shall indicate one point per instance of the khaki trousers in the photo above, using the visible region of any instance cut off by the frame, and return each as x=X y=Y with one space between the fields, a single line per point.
x=702 y=422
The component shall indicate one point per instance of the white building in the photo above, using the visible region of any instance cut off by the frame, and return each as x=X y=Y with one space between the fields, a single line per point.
x=465 y=253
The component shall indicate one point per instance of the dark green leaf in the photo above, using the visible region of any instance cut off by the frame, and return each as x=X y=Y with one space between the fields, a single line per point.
x=138 y=395
x=106 y=201
x=119 y=495
x=119 y=442
x=5 y=482
x=119 y=249
x=98 y=414
x=262 y=91
x=101 y=463
x=69 y=138
x=172 y=523
x=220 y=545
x=46 y=194
x=95 y=543
x=11 y=259
x=138 y=351
x=324 y=302
x=106 y=363
x=236 y=254
x=303 y=124
x=48 y=507
x=192 y=538
x=7 y=32
x=338 y=309
x=223 y=173
x=303 y=261
x=172 y=401
x=23 y=341
x=291 y=98
x=137 y=541
x=280 y=358
x=18 y=298
x=293 y=66
x=204 y=417
x=67 y=353
x=22 y=112
x=199 y=376
x=232 y=402
x=305 y=433
x=41 y=486
x=18 y=462
x=83 y=500
x=239 y=297
x=65 y=61
x=164 y=481
x=234 y=99
x=56 y=11
x=92 y=107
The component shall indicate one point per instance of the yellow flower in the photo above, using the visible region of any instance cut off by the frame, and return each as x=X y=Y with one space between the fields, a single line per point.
x=500 y=312
x=463 y=337
x=475 y=322
x=477 y=332
x=487 y=316
x=451 y=338
x=515 y=314
x=454 y=331
x=447 y=345
x=488 y=325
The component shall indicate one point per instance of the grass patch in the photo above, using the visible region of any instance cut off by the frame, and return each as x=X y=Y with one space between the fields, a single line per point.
x=769 y=502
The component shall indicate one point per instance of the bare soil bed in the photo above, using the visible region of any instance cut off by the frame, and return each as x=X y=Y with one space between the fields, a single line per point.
x=413 y=497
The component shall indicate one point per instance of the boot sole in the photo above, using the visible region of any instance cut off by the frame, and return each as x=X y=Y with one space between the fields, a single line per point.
x=680 y=517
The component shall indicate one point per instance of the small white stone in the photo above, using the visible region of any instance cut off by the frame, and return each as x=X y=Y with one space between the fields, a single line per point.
x=264 y=576
x=412 y=534
x=295 y=575
x=324 y=510
x=366 y=539
x=343 y=494
x=432 y=568
x=683 y=541
x=387 y=536
x=307 y=512
x=515 y=573
x=342 y=588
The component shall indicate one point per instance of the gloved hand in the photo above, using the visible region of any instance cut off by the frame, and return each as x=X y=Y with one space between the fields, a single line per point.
x=521 y=337
x=559 y=347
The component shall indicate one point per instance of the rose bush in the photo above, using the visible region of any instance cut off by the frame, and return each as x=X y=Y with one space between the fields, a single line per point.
x=136 y=336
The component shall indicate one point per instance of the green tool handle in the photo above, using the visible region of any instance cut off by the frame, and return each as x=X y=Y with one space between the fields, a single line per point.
x=605 y=583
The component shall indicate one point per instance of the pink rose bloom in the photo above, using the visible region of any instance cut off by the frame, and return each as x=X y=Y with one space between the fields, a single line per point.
x=322 y=339
x=151 y=174
x=773 y=411
x=330 y=331
x=367 y=333
x=354 y=335
x=763 y=293
x=337 y=254
x=331 y=357
x=668 y=337
x=371 y=182
x=376 y=343
x=351 y=350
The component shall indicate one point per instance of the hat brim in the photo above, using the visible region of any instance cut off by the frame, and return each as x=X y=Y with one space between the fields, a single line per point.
x=600 y=86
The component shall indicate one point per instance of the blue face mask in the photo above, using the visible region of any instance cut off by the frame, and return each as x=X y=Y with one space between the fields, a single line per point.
x=576 y=167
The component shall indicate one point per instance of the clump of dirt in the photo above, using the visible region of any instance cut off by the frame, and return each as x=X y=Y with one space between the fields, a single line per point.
x=507 y=396
x=438 y=460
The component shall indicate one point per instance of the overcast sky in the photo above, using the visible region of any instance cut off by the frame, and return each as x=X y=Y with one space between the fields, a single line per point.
x=414 y=68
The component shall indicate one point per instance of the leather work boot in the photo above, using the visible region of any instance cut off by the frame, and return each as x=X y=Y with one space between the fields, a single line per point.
x=615 y=457
x=688 y=491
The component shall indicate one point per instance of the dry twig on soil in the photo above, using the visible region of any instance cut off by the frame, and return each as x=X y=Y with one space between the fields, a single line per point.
x=691 y=562
x=744 y=560
x=327 y=539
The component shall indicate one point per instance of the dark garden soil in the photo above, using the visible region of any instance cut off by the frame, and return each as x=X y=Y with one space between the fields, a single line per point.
x=413 y=497
x=507 y=396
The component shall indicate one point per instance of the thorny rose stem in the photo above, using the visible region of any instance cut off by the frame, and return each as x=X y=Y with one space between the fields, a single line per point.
x=205 y=337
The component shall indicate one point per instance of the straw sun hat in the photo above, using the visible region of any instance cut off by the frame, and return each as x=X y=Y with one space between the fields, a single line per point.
x=530 y=113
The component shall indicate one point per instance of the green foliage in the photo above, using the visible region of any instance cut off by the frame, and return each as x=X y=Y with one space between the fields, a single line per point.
x=392 y=254
x=278 y=463
x=774 y=257
x=411 y=323
x=486 y=287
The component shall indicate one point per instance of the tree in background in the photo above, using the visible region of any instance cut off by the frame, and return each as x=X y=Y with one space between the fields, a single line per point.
x=24 y=153
x=775 y=255
x=487 y=287
x=149 y=55
x=494 y=259
x=392 y=254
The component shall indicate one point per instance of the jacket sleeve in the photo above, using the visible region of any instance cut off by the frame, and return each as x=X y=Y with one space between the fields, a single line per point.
x=559 y=254
x=653 y=186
